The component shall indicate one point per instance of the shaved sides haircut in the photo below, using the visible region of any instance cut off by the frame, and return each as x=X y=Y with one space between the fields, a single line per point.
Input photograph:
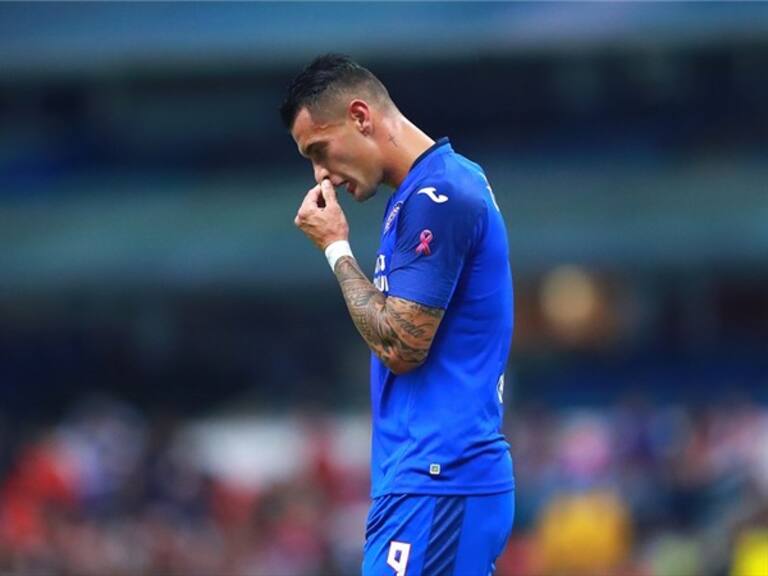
x=321 y=84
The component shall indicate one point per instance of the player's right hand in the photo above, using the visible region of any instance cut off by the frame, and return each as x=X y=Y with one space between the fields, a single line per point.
x=320 y=216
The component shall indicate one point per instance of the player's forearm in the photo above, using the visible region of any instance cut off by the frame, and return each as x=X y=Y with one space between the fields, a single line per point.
x=387 y=325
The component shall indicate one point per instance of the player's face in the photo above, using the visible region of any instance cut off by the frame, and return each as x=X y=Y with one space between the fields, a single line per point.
x=339 y=151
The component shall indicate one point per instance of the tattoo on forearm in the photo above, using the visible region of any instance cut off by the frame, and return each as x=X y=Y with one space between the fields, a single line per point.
x=398 y=331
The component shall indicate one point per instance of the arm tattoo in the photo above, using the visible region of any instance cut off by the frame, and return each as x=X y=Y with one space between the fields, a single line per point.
x=398 y=331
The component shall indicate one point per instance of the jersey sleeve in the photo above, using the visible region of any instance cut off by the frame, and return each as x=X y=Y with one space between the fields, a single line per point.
x=436 y=232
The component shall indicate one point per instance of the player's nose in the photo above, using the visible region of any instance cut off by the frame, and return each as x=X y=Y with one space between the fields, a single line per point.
x=320 y=173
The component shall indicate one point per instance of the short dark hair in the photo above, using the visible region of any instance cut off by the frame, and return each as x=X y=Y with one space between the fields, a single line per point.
x=327 y=74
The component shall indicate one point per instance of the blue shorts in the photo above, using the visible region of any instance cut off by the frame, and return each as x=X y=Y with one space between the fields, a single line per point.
x=414 y=535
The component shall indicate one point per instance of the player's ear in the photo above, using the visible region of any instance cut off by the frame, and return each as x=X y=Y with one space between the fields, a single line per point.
x=360 y=114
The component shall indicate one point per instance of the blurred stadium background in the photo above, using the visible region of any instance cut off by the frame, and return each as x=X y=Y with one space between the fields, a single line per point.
x=181 y=390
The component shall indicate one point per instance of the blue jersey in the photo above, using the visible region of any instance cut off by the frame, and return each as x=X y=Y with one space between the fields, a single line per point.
x=437 y=428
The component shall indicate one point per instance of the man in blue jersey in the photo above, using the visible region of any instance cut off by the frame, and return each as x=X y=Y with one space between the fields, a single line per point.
x=437 y=318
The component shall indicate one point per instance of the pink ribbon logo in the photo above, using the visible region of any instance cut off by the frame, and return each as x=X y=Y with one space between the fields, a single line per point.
x=424 y=240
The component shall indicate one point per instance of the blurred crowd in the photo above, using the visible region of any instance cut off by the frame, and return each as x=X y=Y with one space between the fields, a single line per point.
x=642 y=490
x=633 y=488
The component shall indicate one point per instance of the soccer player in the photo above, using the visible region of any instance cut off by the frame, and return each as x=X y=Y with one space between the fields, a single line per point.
x=437 y=318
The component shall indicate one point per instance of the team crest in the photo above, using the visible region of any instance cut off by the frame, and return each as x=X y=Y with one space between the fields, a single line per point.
x=392 y=215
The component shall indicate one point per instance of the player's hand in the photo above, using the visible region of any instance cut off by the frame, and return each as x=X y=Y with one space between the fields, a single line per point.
x=320 y=216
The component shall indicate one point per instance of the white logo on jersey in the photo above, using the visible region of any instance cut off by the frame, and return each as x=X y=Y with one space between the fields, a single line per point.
x=500 y=389
x=440 y=198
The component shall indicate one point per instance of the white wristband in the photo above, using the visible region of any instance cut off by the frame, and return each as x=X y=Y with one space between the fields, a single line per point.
x=336 y=250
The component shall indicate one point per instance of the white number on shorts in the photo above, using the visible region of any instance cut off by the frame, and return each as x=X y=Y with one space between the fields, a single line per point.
x=398 y=556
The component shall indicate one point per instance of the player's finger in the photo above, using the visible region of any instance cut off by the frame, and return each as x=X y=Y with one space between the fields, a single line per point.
x=329 y=192
x=310 y=200
x=313 y=194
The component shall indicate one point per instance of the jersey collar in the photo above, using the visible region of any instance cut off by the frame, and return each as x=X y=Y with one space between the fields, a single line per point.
x=443 y=142
x=440 y=142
